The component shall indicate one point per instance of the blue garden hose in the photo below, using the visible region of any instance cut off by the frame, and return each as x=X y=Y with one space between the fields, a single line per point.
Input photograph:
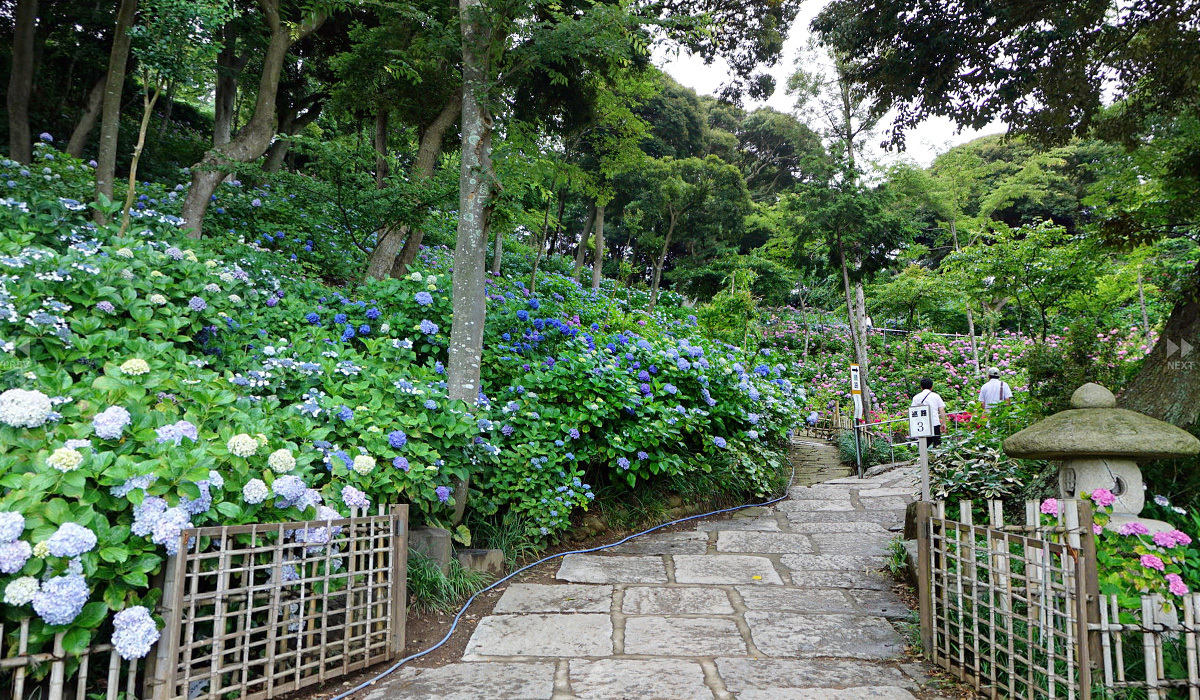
x=463 y=609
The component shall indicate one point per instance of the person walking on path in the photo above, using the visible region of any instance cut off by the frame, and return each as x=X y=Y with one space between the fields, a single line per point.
x=929 y=397
x=995 y=390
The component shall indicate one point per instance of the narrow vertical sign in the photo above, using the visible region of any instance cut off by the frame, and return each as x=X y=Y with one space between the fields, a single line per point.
x=856 y=391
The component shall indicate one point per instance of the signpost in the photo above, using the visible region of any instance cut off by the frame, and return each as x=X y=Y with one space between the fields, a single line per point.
x=920 y=426
x=856 y=394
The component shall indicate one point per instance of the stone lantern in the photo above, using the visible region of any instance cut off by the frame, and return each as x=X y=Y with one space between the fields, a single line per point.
x=1099 y=446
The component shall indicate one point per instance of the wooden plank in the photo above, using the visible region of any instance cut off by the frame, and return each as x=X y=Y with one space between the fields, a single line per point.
x=399 y=580
x=924 y=576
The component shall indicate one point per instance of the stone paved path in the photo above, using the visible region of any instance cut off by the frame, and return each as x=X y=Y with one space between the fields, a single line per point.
x=779 y=603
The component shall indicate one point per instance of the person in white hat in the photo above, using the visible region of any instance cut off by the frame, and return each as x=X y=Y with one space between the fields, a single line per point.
x=995 y=390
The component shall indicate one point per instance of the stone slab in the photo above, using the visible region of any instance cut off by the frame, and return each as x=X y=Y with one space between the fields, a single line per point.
x=627 y=679
x=817 y=505
x=720 y=569
x=512 y=681
x=860 y=544
x=598 y=568
x=665 y=543
x=652 y=600
x=796 y=599
x=907 y=493
x=826 y=528
x=488 y=561
x=884 y=503
x=870 y=580
x=886 y=518
x=757 y=524
x=580 y=634
x=804 y=635
x=565 y=598
x=830 y=562
x=763 y=542
x=867 y=693
x=882 y=603
x=683 y=636
x=433 y=543
x=819 y=492
x=741 y=674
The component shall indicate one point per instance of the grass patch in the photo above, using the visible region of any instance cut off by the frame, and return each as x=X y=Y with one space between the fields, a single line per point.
x=431 y=590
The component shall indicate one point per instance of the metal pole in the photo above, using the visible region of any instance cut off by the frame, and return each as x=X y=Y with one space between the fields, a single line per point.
x=923 y=447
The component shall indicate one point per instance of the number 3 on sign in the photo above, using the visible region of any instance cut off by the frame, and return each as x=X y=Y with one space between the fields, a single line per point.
x=920 y=421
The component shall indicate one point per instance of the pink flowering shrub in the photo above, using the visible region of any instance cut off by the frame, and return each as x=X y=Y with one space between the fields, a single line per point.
x=1133 y=561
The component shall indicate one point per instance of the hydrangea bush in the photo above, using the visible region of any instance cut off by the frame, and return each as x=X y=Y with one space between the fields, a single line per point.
x=150 y=383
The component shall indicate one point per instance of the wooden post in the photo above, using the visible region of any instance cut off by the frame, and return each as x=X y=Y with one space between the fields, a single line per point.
x=1089 y=600
x=924 y=577
x=923 y=447
x=399 y=612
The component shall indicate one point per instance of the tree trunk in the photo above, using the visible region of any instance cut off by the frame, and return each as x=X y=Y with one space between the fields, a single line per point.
x=598 y=256
x=110 y=115
x=290 y=122
x=166 y=120
x=658 y=265
x=1168 y=385
x=539 y=244
x=497 y=252
x=1142 y=302
x=804 y=317
x=856 y=334
x=149 y=97
x=228 y=68
x=381 y=147
x=562 y=205
x=20 y=81
x=87 y=120
x=253 y=139
x=581 y=248
x=475 y=188
x=428 y=152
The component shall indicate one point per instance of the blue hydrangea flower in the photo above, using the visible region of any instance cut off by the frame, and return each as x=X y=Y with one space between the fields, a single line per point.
x=12 y=524
x=364 y=329
x=719 y=442
x=573 y=434
x=535 y=304
x=670 y=389
x=623 y=463
x=339 y=319
x=523 y=315
x=134 y=632
x=13 y=556
x=313 y=318
x=400 y=463
x=431 y=404
x=397 y=439
x=71 y=540
x=424 y=298
x=197 y=304
x=429 y=327
x=443 y=493
x=642 y=455
x=345 y=413
x=110 y=423
x=61 y=599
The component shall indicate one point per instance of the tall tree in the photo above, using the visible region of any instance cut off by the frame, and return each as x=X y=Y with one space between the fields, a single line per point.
x=252 y=139
x=110 y=115
x=20 y=81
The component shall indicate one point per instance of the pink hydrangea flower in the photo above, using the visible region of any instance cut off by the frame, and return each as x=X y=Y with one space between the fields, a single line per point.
x=1176 y=585
x=1180 y=538
x=1152 y=562
x=1103 y=497
x=1097 y=529
x=1050 y=506
x=1164 y=539
x=1134 y=528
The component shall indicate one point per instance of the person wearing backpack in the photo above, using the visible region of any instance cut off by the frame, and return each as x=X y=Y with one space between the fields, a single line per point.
x=995 y=390
x=931 y=398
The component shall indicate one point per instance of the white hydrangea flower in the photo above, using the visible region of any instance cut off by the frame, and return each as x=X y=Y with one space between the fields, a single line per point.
x=65 y=459
x=126 y=273
x=156 y=273
x=20 y=591
x=235 y=299
x=255 y=491
x=24 y=409
x=212 y=288
x=134 y=367
x=281 y=461
x=363 y=464
x=226 y=277
x=158 y=299
x=242 y=445
x=210 y=264
x=190 y=256
x=124 y=253
x=415 y=277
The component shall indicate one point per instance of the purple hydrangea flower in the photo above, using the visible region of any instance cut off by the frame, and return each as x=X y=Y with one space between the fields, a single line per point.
x=642 y=455
x=397 y=439
x=288 y=489
x=573 y=434
x=61 y=599
x=174 y=433
x=429 y=327
x=134 y=632
x=256 y=202
x=423 y=298
x=111 y=422
x=443 y=493
x=623 y=463
x=400 y=463
x=13 y=556
x=197 y=304
x=507 y=430
x=45 y=136
x=71 y=540
x=106 y=307
x=354 y=498
x=720 y=442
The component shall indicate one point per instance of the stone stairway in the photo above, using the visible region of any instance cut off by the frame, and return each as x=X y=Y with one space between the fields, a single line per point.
x=780 y=603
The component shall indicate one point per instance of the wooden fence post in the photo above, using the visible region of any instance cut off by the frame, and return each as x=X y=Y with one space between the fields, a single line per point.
x=924 y=577
x=1089 y=602
x=399 y=515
